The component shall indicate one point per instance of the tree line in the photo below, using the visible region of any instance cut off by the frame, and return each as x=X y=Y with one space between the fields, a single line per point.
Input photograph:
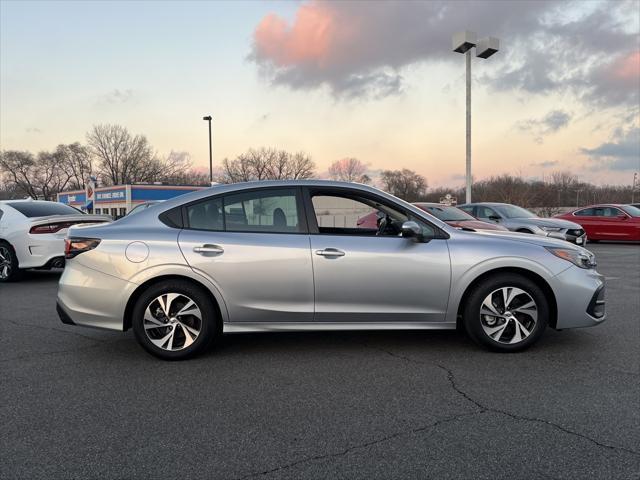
x=115 y=156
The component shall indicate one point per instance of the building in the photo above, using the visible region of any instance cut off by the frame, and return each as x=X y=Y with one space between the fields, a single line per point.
x=118 y=200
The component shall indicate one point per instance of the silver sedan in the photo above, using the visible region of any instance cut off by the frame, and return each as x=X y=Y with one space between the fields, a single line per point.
x=289 y=255
x=518 y=219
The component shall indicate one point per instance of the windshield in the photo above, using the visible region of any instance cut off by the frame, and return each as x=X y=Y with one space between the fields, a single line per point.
x=631 y=210
x=511 y=211
x=446 y=213
x=42 y=209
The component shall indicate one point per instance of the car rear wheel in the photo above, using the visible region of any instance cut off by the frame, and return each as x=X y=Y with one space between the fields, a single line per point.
x=175 y=320
x=506 y=313
x=9 y=270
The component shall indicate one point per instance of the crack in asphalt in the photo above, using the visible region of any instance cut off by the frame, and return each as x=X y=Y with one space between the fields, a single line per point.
x=455 y=386
x=361 y=445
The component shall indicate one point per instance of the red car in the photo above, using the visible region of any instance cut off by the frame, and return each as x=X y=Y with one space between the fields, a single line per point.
x=607 y=222
x=451 y=215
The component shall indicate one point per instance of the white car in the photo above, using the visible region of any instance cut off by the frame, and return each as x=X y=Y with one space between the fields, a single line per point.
x=32 y=234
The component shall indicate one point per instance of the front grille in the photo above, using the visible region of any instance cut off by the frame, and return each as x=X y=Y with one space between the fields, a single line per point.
x=577 y=232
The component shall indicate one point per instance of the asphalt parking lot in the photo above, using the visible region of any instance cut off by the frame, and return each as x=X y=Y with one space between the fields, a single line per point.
x=82 y=403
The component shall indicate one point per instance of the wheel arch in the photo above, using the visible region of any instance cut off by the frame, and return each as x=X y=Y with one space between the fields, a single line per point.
x=140 y=289
x=533 y=276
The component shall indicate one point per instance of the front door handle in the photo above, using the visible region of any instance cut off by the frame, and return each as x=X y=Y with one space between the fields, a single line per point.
x=330 y=252
x=211 y=249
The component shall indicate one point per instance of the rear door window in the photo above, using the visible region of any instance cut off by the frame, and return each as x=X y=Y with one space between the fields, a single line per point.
x=268 y=211
x=274 y=211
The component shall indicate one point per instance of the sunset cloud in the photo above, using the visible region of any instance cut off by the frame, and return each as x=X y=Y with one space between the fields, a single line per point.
x=355 y=49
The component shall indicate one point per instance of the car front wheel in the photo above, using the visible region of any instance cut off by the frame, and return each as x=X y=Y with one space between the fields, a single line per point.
x=506 y=313
x=175 y=320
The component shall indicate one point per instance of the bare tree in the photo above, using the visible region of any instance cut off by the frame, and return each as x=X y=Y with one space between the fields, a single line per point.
x=266 y=164
x=76 y=160
x=405 y=184
x=42 y=177
x=123 y=158
x=349 y=170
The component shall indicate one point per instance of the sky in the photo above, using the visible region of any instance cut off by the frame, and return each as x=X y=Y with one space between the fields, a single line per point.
x=377 y=81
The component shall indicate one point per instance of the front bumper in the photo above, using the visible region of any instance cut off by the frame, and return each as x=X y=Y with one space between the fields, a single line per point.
x=91 y=298
x=579 y=237
x=579 y=298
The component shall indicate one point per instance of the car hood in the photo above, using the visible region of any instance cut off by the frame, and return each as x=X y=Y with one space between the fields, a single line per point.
x=526 y=238
x=546 y=222
x=476 y=225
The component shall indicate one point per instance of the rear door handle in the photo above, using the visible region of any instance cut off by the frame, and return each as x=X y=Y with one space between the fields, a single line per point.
x=211 y=249
x=330 y=252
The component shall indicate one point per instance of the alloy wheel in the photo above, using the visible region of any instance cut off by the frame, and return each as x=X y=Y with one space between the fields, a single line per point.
x=5 y=263
x=172 y=321
x=508 y=315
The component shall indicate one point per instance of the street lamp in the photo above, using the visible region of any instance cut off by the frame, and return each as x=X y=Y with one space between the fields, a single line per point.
x=463 y=42
x=633 y=187
x=209 y=118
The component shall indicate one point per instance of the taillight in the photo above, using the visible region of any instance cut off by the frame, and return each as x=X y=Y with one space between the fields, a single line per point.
x=51 y=227
x=76 y=246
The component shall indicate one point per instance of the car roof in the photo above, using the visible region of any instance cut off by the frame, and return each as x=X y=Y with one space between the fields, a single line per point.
x=484 y=203
x=221 y=189
x=433 y=204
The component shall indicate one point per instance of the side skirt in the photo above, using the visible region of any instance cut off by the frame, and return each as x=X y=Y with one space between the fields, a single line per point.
x=243 y=327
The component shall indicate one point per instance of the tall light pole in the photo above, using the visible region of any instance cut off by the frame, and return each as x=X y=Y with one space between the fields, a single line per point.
x=209 y=118
x=463 y=42
x=633 y=187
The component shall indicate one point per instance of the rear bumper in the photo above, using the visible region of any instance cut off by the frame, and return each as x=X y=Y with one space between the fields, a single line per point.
x=38 y=251
x=90 y=298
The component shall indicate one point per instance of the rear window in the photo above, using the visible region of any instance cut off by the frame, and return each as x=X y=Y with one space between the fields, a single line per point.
x=43 y=209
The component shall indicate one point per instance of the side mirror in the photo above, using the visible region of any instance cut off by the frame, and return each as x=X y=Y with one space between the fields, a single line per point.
x=411 y=229
x=494 y=218
x=622 y=216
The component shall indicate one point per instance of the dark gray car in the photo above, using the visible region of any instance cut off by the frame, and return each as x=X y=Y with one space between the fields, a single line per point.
x=518 y=219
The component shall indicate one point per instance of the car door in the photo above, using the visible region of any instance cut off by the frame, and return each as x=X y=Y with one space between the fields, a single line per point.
x=587 y=220
x=487 y=214
x=254 y=246
x=613 y=223
x=363 y=277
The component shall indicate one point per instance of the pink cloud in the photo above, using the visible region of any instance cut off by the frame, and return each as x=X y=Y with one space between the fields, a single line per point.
x=307 y=40
x=628 y=68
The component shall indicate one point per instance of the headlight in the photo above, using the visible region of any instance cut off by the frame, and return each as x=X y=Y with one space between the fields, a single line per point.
x=551 y=229
x=580 y=259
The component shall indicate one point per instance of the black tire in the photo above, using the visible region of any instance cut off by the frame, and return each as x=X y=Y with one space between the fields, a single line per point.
x=589 y=240
x=472 y=318
x=209 y=323
x=14 y=272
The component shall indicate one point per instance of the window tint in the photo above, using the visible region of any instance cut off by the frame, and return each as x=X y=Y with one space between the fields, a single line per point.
x=340 y=212
x=468 y=209
x=42 y=209
x=607 y=212
x=343 y=215
x=262 y=211
x=630 y=209
x=206 y=215
x=586 y=212
x=485 y=212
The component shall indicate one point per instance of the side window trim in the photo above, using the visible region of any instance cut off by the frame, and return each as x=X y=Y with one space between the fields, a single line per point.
x=297 y=191
x=336 y=191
